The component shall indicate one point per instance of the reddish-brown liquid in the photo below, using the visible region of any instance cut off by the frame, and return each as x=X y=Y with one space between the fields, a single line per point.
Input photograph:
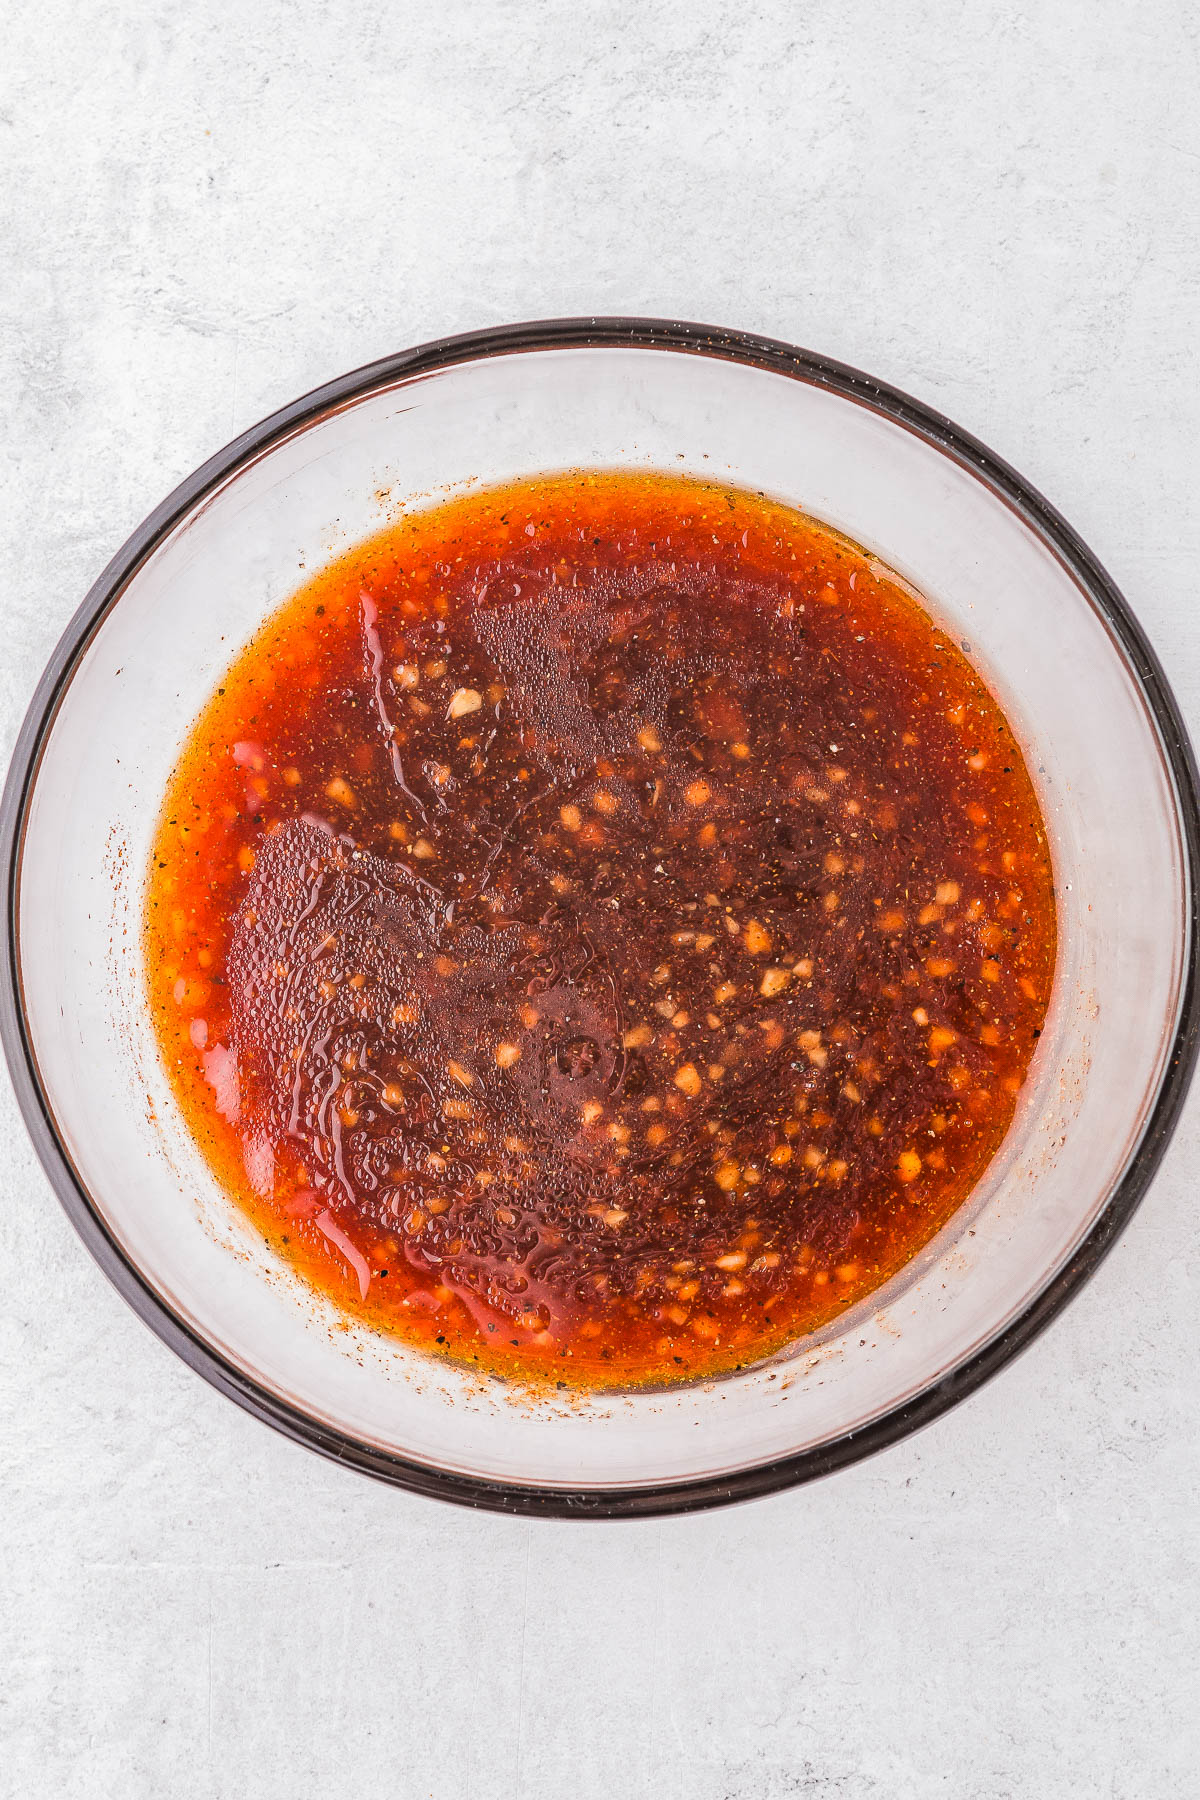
x=599 y=929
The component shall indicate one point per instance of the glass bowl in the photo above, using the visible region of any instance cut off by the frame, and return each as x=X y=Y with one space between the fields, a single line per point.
x=998 y=567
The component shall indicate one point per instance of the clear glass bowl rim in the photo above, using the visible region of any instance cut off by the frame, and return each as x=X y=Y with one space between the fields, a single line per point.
x=667 y=1497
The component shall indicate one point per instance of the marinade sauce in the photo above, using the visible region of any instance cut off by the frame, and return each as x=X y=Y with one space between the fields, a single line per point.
x=599 y=928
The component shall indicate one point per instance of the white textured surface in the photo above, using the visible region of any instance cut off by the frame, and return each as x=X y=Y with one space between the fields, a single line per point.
x=204 y=211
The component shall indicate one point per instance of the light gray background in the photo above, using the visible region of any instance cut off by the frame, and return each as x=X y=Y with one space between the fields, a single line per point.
x=205 y=209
